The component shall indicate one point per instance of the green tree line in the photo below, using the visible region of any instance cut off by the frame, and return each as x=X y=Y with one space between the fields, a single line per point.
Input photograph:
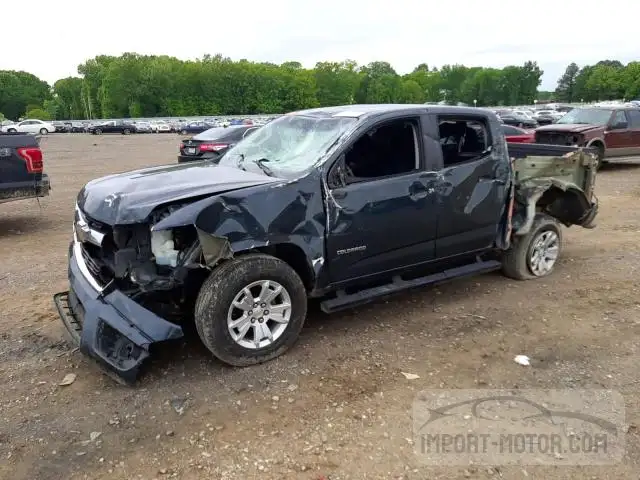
x=133 y=85
x=606 y=80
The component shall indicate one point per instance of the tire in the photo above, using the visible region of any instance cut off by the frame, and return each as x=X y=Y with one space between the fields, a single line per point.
x=214 y=308
x=126 y=131
x=44 y=131
x=184 y=132
x=97 y=131
x=518 y=262
x=12 y=130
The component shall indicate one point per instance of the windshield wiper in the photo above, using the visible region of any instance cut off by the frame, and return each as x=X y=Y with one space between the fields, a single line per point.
x=261 y=163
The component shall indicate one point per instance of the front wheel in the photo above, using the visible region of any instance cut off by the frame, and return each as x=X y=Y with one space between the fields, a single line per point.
x=535 y=254
x=44 y=131
x=126 y=131
x=251 y=309
x=184 y=132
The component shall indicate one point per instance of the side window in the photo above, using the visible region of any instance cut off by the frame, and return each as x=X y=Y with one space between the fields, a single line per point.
x=389 y=149
x=634 y=118
x=462 y=139
x=619 y=118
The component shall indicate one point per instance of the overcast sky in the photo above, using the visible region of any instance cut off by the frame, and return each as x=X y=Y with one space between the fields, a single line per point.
x=50 y=38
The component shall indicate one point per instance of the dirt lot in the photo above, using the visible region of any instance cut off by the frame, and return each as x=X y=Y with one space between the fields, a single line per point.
x=336 y=405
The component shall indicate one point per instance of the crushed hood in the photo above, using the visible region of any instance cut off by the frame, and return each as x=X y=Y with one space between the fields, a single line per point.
x=568 y=128
x=130 y=197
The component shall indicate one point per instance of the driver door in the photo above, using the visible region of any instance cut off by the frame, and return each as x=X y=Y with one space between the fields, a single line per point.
x=381 y=223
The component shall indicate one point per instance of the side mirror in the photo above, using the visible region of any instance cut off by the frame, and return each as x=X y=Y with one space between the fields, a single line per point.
x=619 y=126
x=338 y=175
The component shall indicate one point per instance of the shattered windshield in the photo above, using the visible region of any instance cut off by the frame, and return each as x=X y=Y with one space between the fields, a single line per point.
x=587 y=116
x=288 y=145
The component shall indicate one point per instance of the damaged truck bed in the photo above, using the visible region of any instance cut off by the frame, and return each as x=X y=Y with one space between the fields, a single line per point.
x=303 y=209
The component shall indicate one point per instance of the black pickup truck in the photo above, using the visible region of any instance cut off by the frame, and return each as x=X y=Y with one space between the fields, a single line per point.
x=21 y=168
x=345 y=204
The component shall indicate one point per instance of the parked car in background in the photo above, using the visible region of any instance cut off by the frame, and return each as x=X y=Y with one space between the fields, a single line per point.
x=112 y=126
x=518 y=135
x=60 y=127
x=213 y=143
x=21 y=168
x=518 y=120
x=195 y=127
x=143 y=127
x=546 y=117
x=78 y=127
x=525 y=112
x=614 y=132
x=160 y=126
x=30 y=126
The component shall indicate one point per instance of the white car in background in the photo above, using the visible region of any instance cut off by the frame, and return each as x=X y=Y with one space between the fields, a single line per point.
x=160 y=126
x=30 y=126
x=526 y=113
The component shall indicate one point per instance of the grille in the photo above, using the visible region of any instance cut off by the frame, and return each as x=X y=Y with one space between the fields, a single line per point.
x=100 y=272
x=92 y=265
x=553 y=138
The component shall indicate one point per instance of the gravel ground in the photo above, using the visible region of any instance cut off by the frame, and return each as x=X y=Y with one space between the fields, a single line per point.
x=336 y=406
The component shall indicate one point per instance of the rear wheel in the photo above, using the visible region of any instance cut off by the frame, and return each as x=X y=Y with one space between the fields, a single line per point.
x=44 y=131
x=12 y=130
x=126 y=131
x=251 y=309
x=535 y=254
x=184 y=132
x=97 y=131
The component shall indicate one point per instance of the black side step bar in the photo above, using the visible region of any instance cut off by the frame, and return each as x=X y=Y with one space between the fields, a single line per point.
x=342 y=300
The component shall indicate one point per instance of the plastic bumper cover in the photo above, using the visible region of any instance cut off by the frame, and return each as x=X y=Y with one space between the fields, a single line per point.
x=106 y=324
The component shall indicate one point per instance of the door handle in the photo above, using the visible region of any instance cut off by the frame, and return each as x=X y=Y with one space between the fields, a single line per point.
x=419 y=190
x=495 y=180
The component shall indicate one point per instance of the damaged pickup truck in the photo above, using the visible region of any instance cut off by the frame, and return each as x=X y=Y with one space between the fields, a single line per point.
x=345 y=204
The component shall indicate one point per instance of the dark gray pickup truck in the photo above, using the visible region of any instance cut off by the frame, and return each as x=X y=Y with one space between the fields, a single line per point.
x=343 y=204
x=21 y=168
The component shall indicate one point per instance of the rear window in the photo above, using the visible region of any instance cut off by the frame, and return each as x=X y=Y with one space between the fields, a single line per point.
x=222 y=134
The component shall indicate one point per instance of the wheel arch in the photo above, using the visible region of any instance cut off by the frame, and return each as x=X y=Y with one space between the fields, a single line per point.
x=294 y=256
x=568 y=205
x=597 y=142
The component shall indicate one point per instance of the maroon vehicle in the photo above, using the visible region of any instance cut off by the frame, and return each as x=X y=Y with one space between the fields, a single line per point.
x=613 y=131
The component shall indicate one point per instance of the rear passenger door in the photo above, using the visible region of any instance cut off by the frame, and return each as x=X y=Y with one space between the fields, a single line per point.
x=634 y=129
x=473 y=185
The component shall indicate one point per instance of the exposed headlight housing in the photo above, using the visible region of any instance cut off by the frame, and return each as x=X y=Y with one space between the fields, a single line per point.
x=163 y=248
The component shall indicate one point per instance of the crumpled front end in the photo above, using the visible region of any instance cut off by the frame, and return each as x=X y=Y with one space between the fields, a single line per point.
x=106 y=323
